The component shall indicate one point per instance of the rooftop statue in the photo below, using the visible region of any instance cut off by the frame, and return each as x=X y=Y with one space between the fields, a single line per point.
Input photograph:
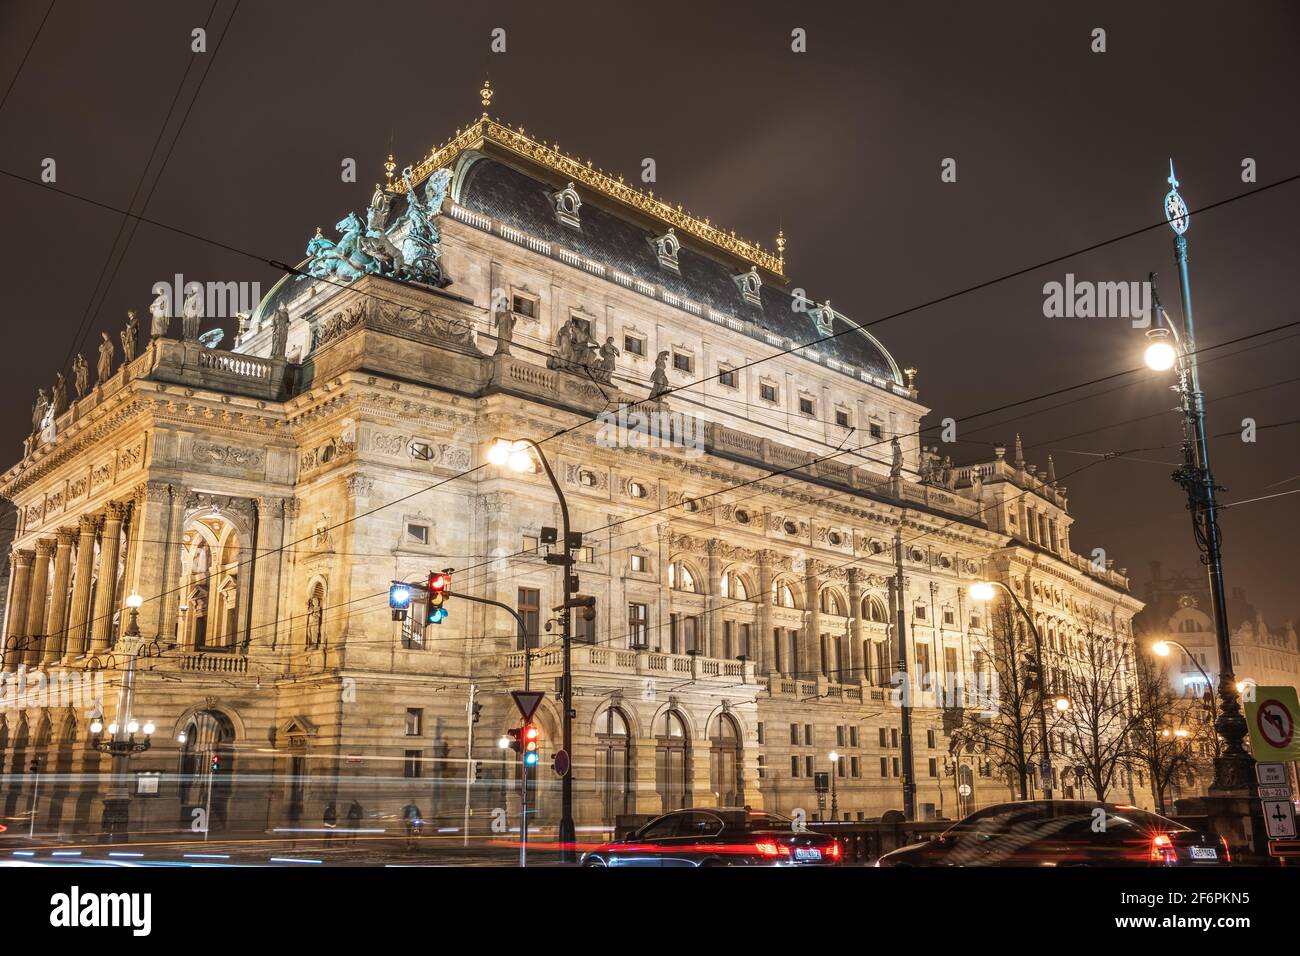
x=105 y=367
x=896 y=467
x=80 y=375
x=370 y=246
x=159 y=316
x=38 y=411
x=130 y=335
x=659 y=377
x=279 y=331
x=60 y=394
x=191 y=313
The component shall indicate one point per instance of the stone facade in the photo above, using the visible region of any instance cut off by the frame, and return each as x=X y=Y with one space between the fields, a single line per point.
x=745 y=584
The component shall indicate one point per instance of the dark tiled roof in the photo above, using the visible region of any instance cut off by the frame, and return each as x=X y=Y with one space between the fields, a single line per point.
x=510 y=196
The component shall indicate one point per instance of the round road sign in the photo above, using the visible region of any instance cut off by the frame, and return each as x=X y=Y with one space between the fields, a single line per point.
x=1276 y=722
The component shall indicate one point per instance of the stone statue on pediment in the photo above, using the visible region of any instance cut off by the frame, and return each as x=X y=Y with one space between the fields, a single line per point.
x=505 y=324
x=659 y=377
x=160 y=316
x=60 y=394
x=279 y=331
x=130 y=336
x=105 y=366
x=38 y=411
x=603 y=371
x=80 y=375
x=191 y=313
x=946 y=475
x=896 y=465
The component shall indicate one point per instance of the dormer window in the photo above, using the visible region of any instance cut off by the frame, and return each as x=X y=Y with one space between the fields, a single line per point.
x=750 y=285
x=567 y=204
x=667 y=247
x=822 y=317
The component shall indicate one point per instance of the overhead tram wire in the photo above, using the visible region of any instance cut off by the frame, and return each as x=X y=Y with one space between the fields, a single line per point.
x=23 y=62
x=293 y=270
x=92 y=307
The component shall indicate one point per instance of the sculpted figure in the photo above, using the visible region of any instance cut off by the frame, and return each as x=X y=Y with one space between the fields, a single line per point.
x=659 y=377
x=60 y=394
x=159 y=316
x=505 y=332
x=191 y=313
x=604 y=369
x=38 y=411
x=896 y=467
x=945 y=475
x=80 y=375
x=105 y=367
x=279 y=331
x=130 y=335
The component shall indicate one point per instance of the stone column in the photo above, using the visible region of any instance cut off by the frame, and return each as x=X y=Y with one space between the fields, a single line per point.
x=36 y=601
x=762 y=643
x=855 y=661
x=712 y=625
x=270 y=521
x=172 y=598
x=16 y=625
x=153 y=553
x=812 y=662
x=55 y=633
x=76 y=643
x=101 y=626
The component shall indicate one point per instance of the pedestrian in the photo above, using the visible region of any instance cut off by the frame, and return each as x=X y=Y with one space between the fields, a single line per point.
x=331 y=818
x=412 y=819
x=354 y=819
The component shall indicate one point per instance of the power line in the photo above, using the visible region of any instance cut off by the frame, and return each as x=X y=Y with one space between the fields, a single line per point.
x=23 y=62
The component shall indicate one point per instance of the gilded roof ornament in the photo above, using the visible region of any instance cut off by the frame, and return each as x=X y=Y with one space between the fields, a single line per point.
x=486 y=95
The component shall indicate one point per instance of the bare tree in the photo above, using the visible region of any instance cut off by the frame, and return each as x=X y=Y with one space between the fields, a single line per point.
x=998 y=723
x=1162 y=736
x=1098 y=727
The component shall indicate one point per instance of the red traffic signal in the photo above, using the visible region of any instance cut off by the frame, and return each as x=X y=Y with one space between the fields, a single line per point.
x=532 y=735
x=437 y=585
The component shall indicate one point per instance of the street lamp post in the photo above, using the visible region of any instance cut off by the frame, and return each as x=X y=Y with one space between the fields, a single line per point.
x=983 y=591
x=516 y=455
x=1233 y=769
x=122 y=741
x=835 y=800
x=1161 y=648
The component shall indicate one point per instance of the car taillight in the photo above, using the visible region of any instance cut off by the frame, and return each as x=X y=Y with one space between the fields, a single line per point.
x=1162 y=849
x=1227 y=854
x=833 y=851
x=772 y=849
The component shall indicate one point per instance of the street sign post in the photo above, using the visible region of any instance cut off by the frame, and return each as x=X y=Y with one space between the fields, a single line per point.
x=1271 y=717
x=561 y=762
x=527 y=701
x=1279 y=818
x=1270 y=774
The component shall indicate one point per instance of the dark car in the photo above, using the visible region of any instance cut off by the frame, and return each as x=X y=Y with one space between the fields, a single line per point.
x=718 y=836
x=1064 y=833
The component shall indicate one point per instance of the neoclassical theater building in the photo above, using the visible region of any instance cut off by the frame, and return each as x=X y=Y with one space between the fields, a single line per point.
x=742 y=552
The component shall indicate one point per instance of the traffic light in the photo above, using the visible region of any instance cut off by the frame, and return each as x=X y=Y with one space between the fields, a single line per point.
x=399 y=599
x=216 y=762
x=514 y=735
x=439 y=582
x=476 y=712
x=531 y=735
x=1033 y=673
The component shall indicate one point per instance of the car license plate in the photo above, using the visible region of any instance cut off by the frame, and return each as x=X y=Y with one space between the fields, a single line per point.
x=1204 y=853
x=807 y=853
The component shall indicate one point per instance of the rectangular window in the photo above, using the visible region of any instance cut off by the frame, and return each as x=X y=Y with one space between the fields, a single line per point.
x=893 y=736
x=633 y=344
x=853 y=736
x=854 y=768
x=875 y=431
x=728 y=638
x=414 y=722
x=949 y=616
x=638 y=624
x=411 y=765
x=794 y=735
x=682 y=361
x=806 y=406
x=794 y=766
x=767 y=392
x=417 y=533
x=524 y=305
x=530 y=609
x=585 y=555
x=884 y=738
x=760 y=731
x=884 y=766
x=842 y=767
x=920 y=612
x=974 y=620
x=839 y=735
x=639 y=562
x=929 y=739
x=934 y=767
x=528 y=545
x=841 y=418
x=726 y=376
x=807 y=735
x=894 y=765
x=743 y=648
x=584 y=627
x=689 y=635
x=808 y=765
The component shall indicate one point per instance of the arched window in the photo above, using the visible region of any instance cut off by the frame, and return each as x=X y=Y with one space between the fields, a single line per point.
x=873 y=609
x=613 y=767
x=733 y=586
x=831 y=604
x=725 y=763
x=671 y=763
x=680 y=577
x=782 y=594
x=210 y=584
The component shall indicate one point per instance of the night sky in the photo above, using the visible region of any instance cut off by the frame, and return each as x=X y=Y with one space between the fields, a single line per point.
x=1057 y=148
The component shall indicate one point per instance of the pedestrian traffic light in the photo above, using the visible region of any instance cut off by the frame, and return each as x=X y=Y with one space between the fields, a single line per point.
x=216 y=762
x=514 y=737
x=531 y=735
x=439 y=582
